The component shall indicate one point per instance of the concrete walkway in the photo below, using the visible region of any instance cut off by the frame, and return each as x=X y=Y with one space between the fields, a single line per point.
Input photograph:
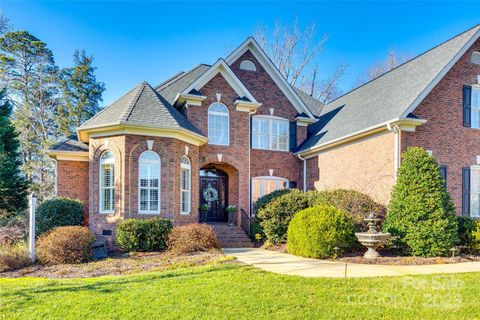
x=292 y=265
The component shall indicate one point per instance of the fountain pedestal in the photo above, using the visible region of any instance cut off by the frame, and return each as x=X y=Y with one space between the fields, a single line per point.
x=372 y=239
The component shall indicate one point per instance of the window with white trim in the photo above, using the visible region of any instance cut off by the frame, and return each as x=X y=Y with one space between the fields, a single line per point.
x=475 y=191
x=218 y=124
x=149 y=183
x=270 y=134
x=475 y=104
x=107 y=182
x=185 y=185
x=265 y=185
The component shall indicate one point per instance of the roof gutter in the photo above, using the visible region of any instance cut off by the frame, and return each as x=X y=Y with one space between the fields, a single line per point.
x=121 y=128
x=406 y=124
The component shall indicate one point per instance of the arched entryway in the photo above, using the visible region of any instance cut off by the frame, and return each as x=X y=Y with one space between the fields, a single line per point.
x=214 y=193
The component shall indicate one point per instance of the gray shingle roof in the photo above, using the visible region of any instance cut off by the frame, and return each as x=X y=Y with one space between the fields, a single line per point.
x=169 y=89
x=70 y=144
x=141 y=106
x=313 y=104
x=387 y=97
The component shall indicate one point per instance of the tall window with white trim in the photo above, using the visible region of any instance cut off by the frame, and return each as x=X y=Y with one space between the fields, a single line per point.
x=107 y=182
x=185 y=185
x=270 y=133
x=149 y=183
x=218 y=124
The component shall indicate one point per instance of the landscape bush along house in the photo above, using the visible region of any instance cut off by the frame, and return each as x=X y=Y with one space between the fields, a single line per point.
x=236 y=130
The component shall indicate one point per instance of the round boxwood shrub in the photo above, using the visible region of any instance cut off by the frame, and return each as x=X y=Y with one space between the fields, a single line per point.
x=65 y=245
x=315 y=232
x=276 y=215
x=192 y=238
x=356 y=204
x=421 y=214
x=143 y=235
x=58 y=212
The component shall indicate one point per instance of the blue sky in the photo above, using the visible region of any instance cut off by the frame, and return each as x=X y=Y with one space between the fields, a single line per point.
x=136 y=41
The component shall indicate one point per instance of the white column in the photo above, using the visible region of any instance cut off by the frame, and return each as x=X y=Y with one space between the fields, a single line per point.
x=31 y=234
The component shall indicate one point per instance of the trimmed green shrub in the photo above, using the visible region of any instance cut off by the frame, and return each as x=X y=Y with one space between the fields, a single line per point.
x=58 y=212
x=468 y=234
x=276 y=215
x=421 y=214
x=316 y=231
x=69 y=244
x=261 y=203
x=356 y=204
x=192 y=238
x=143 y=235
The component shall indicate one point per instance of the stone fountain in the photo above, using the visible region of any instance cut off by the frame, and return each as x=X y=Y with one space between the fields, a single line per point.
x=372 y=239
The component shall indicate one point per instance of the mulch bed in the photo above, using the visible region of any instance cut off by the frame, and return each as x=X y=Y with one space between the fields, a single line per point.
x=389 y=258
x=118 y=265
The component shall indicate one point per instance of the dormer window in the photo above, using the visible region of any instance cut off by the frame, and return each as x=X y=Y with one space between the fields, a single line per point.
x=248 y=65
x=475 y=58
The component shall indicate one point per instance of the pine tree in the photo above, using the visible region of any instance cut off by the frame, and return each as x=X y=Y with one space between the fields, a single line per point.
x=28 y=70
x=13 y=185
x=81 y=93
x=421 y=214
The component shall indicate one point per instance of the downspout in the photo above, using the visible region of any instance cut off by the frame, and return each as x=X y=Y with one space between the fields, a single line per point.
x=304 y=172
x=249 y=162
x=396 y=145
x=55 y=185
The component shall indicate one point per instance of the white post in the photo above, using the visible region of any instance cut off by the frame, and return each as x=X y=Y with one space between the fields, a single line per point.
x=31 y=234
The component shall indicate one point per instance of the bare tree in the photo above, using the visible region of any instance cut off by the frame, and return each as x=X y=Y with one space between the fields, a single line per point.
x=295 y=53
x=393 y=60
x=4 y=23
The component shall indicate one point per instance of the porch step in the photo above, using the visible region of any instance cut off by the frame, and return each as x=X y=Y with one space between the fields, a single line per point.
x=231 y=236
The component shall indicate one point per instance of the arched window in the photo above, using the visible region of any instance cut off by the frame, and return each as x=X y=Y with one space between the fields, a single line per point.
x=107 y=182
x=185 y=185
x=149 y=183
x=475 y=58
x=218 y=124
x=248 y=65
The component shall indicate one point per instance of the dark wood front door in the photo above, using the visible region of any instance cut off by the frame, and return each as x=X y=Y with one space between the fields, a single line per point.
x=217 y=181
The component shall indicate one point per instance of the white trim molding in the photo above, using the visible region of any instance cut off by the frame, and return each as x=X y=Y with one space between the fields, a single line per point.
x=223 y=68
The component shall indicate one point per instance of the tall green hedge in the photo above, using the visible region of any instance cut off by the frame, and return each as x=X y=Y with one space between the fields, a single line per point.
x=421 y=214
x=58 y=212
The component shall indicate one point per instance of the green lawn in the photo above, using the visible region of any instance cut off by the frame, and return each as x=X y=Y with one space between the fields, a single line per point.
x=231 y=291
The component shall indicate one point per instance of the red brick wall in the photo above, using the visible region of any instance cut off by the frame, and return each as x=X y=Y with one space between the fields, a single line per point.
x=127 y=150
x=72 y=181
x=235 y=156
x=264 y=89
x=452 y=144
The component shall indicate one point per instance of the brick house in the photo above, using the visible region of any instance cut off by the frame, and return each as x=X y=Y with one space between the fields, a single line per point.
x=236 y=130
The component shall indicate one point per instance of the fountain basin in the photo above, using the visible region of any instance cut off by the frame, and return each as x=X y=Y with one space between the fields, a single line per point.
x=373 y=241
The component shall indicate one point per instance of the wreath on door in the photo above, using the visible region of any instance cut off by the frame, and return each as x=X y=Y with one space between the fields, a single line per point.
x=210 y=194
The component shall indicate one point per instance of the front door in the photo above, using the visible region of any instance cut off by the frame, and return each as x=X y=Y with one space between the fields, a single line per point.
x=213 y=186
